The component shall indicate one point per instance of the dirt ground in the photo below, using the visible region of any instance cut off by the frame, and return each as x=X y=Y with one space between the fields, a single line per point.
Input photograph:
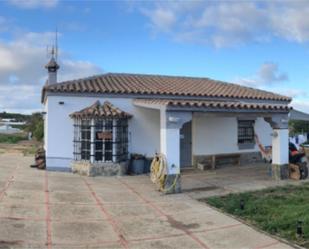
x=25 y=147
x=41 y=209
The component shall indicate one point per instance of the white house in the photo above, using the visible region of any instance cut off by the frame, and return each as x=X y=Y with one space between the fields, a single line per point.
x=100 y=120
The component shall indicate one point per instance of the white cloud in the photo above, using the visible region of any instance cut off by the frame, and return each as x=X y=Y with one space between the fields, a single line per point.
x=72 y=69
x=268 y=74
x=301 y=105
x=269 y=77
x=291 y=20
x=228 y=23
x=162 y=20
x=24 y=98
x=22 y=70
x=32 y=4
x=293 y=92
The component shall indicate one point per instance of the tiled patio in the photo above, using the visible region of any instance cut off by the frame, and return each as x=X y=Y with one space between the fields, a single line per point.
x=40 y=209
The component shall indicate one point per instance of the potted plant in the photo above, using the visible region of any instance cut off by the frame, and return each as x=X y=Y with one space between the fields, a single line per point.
x=137 y=163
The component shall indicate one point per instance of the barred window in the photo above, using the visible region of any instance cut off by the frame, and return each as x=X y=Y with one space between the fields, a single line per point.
x=245 y=131
x=122 y=139
x=85 y=139
x=108 y=137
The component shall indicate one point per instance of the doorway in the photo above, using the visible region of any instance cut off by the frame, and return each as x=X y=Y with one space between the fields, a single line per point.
x=186 y=145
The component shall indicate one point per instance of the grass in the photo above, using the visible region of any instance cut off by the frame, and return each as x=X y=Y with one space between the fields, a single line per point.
x=274 y=210
x=12 y=138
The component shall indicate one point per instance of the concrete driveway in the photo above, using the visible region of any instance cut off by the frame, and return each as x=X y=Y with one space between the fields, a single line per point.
x=40 y=209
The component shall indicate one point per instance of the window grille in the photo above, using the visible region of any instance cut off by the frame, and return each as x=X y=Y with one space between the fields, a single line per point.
x=245 y=131
x=110 y=139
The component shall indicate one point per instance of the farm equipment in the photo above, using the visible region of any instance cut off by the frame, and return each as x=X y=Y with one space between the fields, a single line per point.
x=298 y=163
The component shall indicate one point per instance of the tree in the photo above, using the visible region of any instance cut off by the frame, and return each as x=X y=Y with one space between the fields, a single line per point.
x=39 y=130
x=299 y=126
x=35 y=125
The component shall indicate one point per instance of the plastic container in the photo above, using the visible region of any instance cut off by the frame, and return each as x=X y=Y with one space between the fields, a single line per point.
x=137 y=166
x=147 y=165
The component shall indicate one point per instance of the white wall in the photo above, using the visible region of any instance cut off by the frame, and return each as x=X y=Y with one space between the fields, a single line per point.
x=144 y=127
x=211 y=135
x=218 y=135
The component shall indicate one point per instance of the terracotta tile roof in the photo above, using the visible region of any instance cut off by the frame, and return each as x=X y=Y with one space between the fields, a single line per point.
x=120 y=83
x=224 y=105
x=107 y=110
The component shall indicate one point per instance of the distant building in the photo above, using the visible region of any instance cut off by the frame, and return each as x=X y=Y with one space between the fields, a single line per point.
x=7 y=129
x=6 y=126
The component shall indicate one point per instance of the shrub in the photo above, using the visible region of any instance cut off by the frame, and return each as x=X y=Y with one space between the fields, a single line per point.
x=12 y=138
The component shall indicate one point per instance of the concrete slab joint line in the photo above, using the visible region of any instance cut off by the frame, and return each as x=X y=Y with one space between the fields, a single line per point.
x=168 y=217
x=47 y=207
x=122 y=240
x=8 y=182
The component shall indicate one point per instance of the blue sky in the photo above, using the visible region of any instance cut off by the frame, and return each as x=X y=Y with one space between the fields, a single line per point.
x=262 y=44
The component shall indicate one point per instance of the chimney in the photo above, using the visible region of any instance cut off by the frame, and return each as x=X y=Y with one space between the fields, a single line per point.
x=52 y=68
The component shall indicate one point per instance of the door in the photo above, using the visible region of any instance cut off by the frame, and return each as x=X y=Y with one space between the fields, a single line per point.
x=186 y=145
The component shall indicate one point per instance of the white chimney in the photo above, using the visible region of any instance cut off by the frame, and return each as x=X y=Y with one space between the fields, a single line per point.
x=52 y=68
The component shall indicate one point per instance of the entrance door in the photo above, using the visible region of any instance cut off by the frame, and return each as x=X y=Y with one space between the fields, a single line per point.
x=186 y=145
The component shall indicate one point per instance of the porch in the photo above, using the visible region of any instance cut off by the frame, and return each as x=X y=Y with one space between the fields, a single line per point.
x=229 y=127
x=229 y=179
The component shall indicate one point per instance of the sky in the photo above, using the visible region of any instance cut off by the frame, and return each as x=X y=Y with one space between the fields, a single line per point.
x=260 y=44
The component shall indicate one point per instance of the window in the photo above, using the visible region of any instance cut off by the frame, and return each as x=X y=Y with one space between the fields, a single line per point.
x=246 y=134
x=98 y=150
x=110 y=139
x=85 y=139
x=122 y=139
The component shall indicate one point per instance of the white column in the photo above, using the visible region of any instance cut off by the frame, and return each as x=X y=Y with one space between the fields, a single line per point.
x=280 y=146
x=170 y=125
x=92 y=139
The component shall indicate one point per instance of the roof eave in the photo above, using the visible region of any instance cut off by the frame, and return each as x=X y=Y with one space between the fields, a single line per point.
x=46 y=92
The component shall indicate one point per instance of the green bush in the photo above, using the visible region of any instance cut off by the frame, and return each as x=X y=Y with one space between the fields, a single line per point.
x=12 y=138
x=35 y=125
x=39 y=130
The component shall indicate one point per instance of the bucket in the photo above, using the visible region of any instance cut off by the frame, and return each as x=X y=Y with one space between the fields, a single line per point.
x=137 y=166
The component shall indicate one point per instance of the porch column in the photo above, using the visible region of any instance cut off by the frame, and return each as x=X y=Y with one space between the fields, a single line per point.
x=280 y=146
x=170 y=125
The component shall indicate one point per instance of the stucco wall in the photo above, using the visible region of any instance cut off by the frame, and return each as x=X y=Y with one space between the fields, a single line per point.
x=211 y=135
x=218 y=135
x=144 y=127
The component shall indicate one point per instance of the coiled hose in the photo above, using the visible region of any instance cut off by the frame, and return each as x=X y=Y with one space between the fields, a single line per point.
x=158 y=173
